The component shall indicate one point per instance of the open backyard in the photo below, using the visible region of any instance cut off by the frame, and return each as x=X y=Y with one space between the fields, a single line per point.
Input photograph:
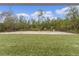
x=39 y=45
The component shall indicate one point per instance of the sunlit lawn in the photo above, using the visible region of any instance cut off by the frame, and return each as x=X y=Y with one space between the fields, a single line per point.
x=39 y=45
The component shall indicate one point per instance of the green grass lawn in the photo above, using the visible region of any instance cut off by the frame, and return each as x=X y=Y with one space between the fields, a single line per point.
x=40 y=45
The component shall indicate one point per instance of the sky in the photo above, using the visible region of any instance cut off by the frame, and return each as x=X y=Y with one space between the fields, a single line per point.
x=51 y=11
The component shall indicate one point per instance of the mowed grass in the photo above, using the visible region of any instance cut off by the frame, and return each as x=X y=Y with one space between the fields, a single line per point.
x=39 y=45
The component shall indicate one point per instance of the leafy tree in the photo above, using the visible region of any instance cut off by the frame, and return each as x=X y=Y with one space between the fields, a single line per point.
x=9 y=21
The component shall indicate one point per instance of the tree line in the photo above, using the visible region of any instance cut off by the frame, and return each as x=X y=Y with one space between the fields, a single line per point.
x=69 y=24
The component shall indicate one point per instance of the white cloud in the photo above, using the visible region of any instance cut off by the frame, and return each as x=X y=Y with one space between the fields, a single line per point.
x=23 y=14
x=45 y=14
x=48 y=14
x=62 y=11
x=35 y=13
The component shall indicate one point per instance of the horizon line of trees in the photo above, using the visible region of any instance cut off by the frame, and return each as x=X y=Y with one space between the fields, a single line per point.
x=69 y=24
